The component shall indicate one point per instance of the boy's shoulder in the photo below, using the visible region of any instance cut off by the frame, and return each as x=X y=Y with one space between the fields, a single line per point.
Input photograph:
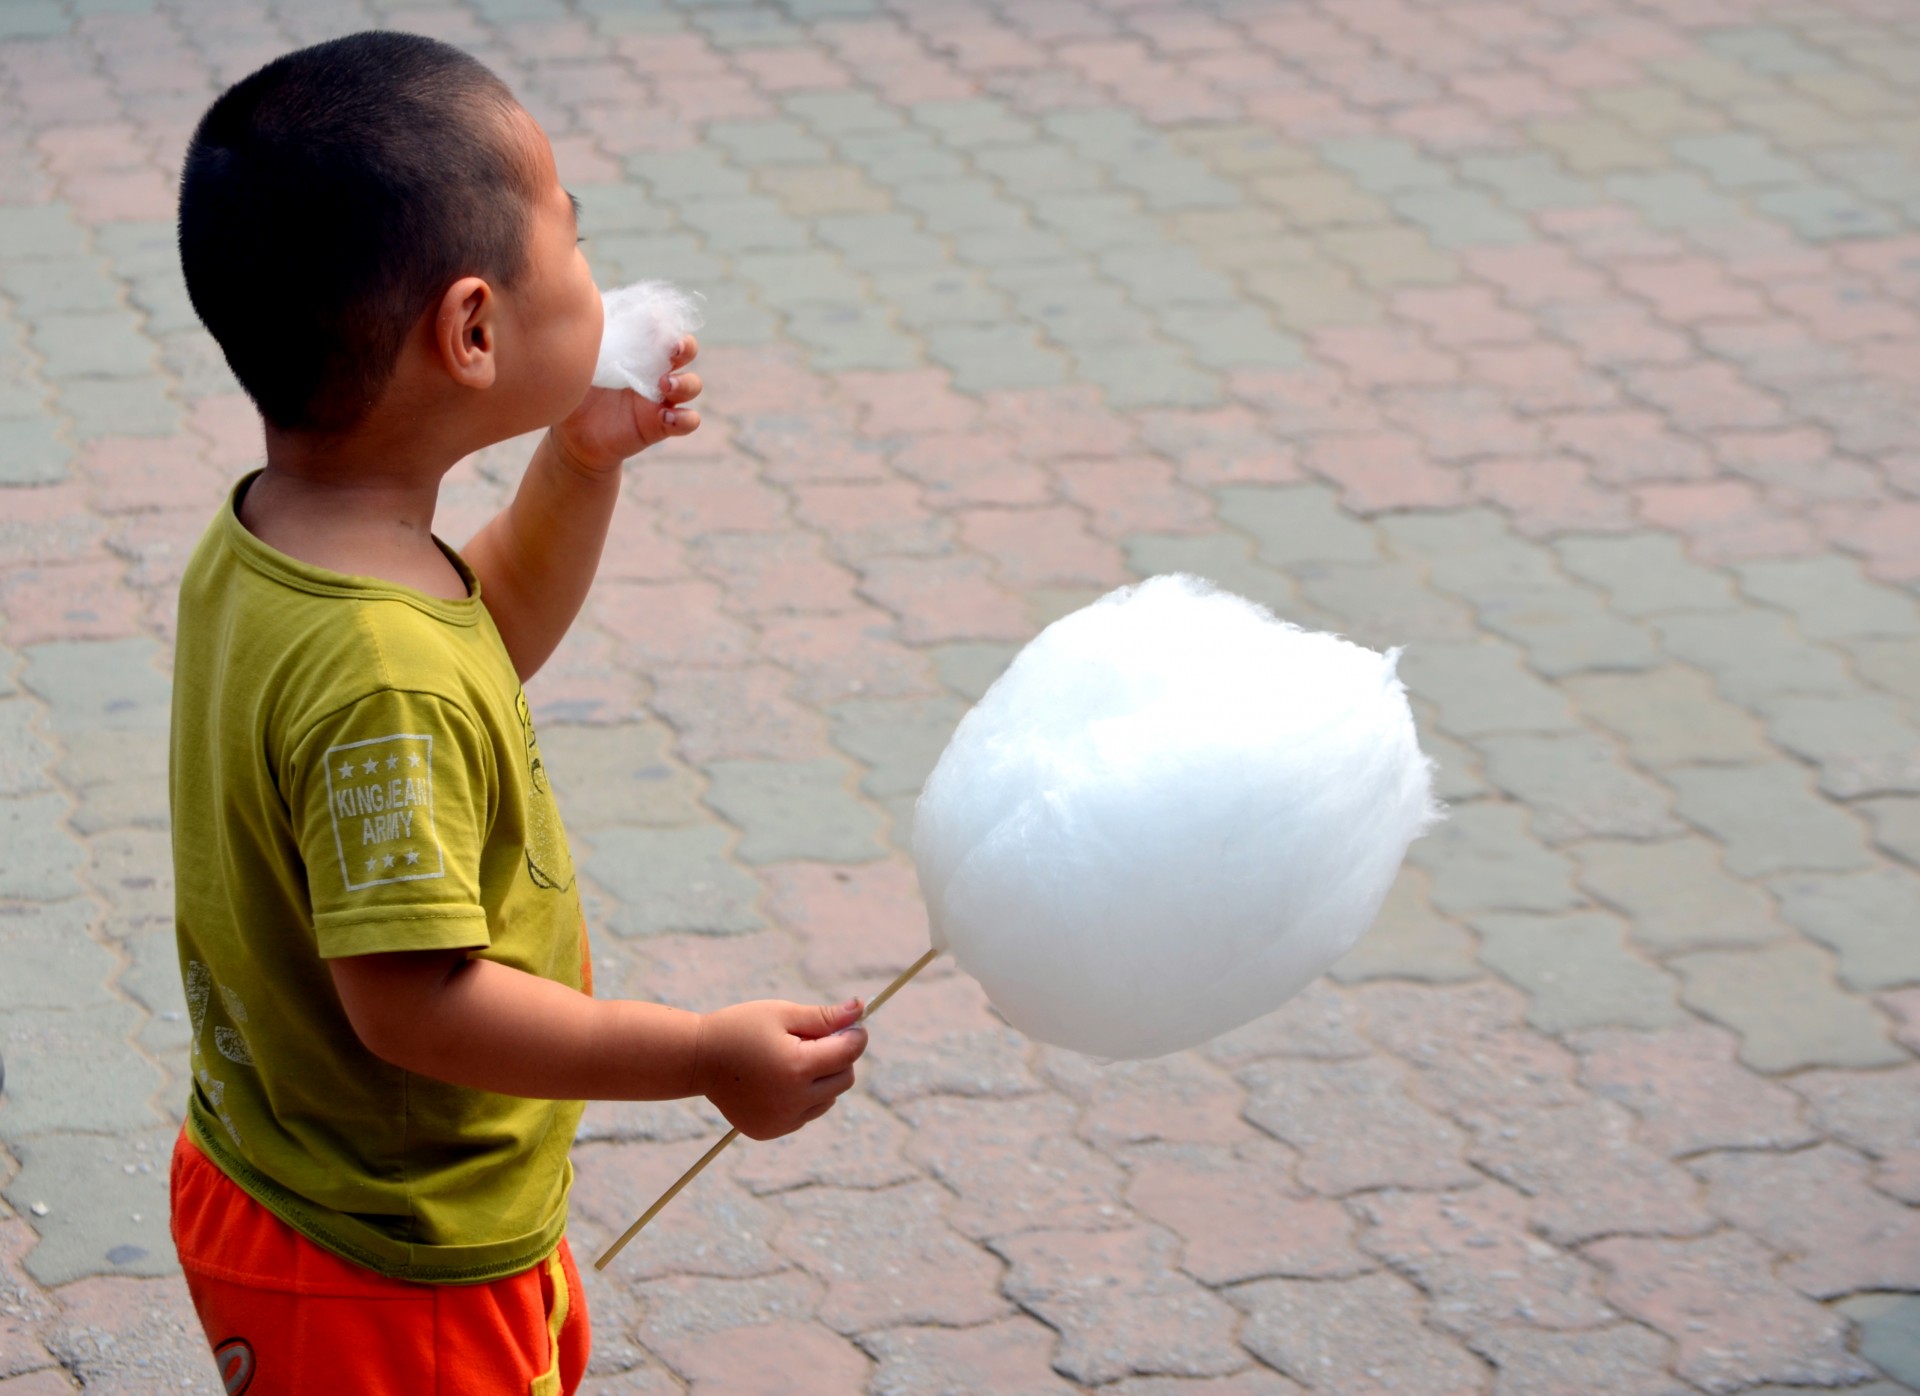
x=252 y=618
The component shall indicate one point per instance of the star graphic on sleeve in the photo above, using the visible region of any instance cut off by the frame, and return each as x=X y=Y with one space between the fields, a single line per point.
x=413 y=758
x=392 y=761
x=371 y=766
x=387 y=862
x=413 y=855
x=372 y=863
x=346 y=770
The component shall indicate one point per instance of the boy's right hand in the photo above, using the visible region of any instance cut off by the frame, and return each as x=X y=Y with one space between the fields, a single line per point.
x=771 y=1066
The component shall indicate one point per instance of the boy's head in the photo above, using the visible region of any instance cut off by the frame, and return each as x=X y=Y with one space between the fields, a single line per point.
x=330 y=201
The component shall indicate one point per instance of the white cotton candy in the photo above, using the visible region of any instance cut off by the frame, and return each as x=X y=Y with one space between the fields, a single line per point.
x=645 y=322
x=1170 y=815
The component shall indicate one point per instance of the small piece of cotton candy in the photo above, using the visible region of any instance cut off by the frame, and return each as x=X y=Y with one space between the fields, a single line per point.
x=645 y=323
x=1168 y=816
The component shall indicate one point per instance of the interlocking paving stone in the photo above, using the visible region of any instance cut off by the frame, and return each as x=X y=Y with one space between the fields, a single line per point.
x=1569 y=350
x=1783 y=1003
x=1577 y=971
x=668 y=880
x=1768 y=820
x=1678 y=893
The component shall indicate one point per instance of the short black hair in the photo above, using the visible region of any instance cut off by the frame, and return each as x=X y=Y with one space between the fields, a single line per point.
x=329 y=198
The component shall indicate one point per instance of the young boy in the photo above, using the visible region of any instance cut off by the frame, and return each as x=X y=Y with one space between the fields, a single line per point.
x=382 y=944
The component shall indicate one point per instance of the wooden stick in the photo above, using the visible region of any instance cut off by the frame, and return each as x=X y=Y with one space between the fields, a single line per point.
x=711 y=1154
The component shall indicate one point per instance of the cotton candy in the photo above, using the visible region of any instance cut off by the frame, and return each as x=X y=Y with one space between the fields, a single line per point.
x=644 y=323
x=1170 y=814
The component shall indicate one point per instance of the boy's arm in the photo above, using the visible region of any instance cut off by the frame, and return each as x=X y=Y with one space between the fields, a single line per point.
x=536 y=558
x=769 y=1066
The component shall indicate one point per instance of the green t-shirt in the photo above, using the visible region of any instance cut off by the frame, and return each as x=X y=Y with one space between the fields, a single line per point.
x=354 y=770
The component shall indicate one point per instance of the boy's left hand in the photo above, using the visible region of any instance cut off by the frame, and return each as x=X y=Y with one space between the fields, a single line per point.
x=611 y=424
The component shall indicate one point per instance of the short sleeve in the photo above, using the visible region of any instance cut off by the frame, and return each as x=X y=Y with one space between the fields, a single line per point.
x=390 y=805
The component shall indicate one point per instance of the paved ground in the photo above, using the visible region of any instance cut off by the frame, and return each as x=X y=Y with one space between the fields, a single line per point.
x=1571 y=342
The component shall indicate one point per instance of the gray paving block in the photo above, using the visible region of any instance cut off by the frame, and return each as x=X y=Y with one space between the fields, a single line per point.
x=922 y=297
x=673 y=175
x=131 y=872
x=1384 y=164
x=1293 y=524
x=1457 y=217
x=985 y=357
x=1146 y=374
x=794 y=809
x=1481 y=688
x=1676 y=894
x=619 y=774
x=1457 y=775
x=1529 y=180
x=676 y=256
x=1013 y=245
x=1646 y=574
x=39 y=860
x=673 y=880
x=1483 y=858
x=900 y=156
x=969 y=123
x=880 y=241
x=94 y=684
x=1410 y=940
x=1871 y=921
x=34 y=19
x=624 y=208
x=1896 y=825
x=1739 y=160
x=1827 y=212
x=51 y=960
x=99 y=344
x=1165 y=277
x=32 y=451
x=1577 y=788
x=1443 y=532
x=1768 y=49
x=1232 y=337
x=970 y=668
x=35 y=232
x=787 y=279
x=1864 y=745
x=845 y=113
x=737 y=224
x=1830 y=598
x=755 y=144
x=1782 y=1001
x=899 y=740
x=120 y=779
x=1383 y=604
x=1754 y=656
x=851 y=337
x=71 y=284
x=1768 y=820
x=77 y=1069
x=1040 y=167
x=733 y=317
x=1669 y=717
x=152 y=980
x=1225 y=559
x=733 y=27
x=1107 y=134
x=1568 y=631
x=1095 y=223
x=967 y=204
x=1577 y=972
x=1171 y=182
x=1676 y=199
x=118 y=407
x=106 y=1204
x=1889 y=1329
x=1892 y=666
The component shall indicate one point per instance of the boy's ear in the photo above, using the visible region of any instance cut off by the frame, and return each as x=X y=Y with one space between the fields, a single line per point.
x=463 y=332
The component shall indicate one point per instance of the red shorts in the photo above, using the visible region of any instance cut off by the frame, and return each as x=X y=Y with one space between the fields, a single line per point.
x=287 y=1318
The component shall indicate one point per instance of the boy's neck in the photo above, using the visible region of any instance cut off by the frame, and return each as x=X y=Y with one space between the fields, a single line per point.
x=353 y=506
